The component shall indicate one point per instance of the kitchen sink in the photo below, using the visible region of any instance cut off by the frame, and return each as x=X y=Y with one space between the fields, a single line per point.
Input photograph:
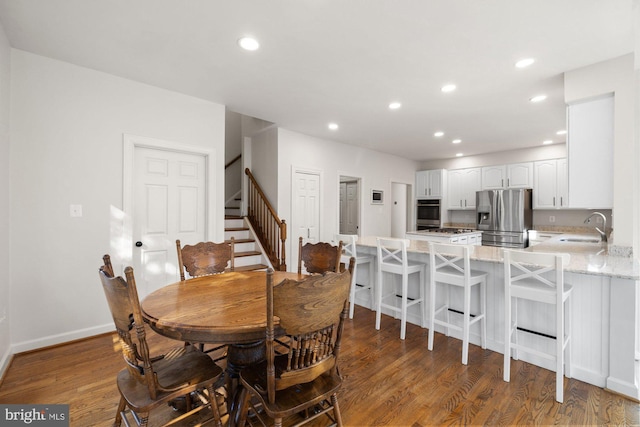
x=579 y=240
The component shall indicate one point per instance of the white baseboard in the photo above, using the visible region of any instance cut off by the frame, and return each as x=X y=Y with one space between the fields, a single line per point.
x=4 y=361
x=624 y=388
x=60 y=338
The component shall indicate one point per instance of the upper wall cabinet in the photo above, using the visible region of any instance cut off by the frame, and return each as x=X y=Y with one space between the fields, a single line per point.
x=590 y=154
x=463 y=184
x=550 y=186
x=518 y=175
x=430 y=184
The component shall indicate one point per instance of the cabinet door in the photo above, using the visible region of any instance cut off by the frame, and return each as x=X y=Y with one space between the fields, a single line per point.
x=545 y=184
x=472 y=184
x=562 y=184
x=493 y=177
x=454 y=199
x=422 y=184
x=435 y=183
x=520 y=175
x=590 y=153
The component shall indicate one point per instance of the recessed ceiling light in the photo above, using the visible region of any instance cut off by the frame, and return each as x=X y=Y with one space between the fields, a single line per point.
x=439 y=133
x=459 y=154
x=561 y=132
x=248 y=43
x=395 y=105
x=456 y=141
x=524 y=63
x=538 y=98
x=547 y=142
x=333 y=126
x=448 y=88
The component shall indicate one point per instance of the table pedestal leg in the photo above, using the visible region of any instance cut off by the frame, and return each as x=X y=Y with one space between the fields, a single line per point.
x=238 y=357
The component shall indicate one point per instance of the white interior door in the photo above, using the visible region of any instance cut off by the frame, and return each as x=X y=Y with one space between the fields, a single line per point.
x=306 y=211
x=352 y=199
x=399 y=196
x=169 y=203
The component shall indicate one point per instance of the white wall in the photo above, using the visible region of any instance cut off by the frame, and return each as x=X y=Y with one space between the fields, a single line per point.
x=544 y=152
x=232 y=148
x=67 y=126
x=377 y=170
x=5 y=254
x=264 y=162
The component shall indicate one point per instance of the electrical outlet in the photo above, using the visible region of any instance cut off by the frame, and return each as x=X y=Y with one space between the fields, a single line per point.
x=552 y=218
x=75 y=211
x=4 y=315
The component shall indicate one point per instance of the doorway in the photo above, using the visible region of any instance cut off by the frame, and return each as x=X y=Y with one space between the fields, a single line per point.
x=167 y=196
x=349 y=209
x=400 y=209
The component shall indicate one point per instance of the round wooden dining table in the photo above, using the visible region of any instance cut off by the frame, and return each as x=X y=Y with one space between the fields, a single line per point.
x=228 y=308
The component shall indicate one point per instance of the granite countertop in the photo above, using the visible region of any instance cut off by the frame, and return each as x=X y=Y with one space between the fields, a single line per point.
x=586 y=257
x=461 y=232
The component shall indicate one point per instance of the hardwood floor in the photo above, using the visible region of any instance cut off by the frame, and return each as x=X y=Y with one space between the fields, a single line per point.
x=386 y=382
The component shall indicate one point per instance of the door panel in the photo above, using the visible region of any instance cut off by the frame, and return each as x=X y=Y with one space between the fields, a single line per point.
x=169 y=191
x=306 y=214
x=351 y=223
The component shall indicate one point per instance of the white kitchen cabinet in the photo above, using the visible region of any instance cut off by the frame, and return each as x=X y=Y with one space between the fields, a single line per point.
x=517 y=175
x=550 y=184
x=590 y=154
x=520 y=175
x=494 y=177
x=430 y=184
x=463 y=184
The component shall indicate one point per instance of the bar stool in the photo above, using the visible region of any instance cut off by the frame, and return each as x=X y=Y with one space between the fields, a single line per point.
x=392 y=258
x=348 y=251
x=537 y=276
x=450 y=264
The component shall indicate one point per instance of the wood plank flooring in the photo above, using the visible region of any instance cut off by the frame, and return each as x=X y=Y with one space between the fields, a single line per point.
x=387 y=382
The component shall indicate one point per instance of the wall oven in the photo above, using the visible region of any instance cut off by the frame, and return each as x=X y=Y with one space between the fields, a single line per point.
x=428 y=214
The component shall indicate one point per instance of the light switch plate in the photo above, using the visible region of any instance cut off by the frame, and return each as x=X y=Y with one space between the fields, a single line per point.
x=75 y=211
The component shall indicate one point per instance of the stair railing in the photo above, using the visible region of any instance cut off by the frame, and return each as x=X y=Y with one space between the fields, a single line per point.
x=270 y=230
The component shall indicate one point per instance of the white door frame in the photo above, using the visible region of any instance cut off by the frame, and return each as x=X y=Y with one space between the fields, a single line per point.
x=130 y=142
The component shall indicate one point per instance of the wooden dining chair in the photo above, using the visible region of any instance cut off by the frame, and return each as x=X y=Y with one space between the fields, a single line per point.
x=319 y=257
x=205 y=258
x=312 y=313
x=147 y=383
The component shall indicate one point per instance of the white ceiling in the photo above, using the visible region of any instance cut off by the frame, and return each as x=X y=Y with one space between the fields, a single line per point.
x=344 y=61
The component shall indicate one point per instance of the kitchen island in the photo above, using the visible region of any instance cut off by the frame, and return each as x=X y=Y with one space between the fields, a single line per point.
x=604 y=317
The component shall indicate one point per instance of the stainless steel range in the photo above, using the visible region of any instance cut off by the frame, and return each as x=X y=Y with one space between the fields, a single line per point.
x=450 y=230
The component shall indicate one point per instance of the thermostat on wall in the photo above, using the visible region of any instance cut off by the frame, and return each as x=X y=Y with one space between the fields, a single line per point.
x=377 y=197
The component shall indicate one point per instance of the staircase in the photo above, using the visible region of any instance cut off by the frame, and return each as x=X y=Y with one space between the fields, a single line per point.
x=248 y=253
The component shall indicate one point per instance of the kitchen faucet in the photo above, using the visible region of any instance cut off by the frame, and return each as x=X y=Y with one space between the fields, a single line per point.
x=603 y=234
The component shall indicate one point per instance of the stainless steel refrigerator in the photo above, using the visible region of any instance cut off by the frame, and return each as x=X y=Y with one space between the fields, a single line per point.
x=504 y=216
